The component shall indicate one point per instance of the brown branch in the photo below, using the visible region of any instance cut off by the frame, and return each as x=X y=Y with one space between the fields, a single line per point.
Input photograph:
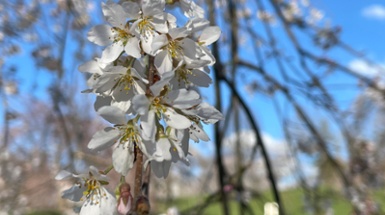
x=231 y=10
x=218 y=69
x=261 y=144
x=304 y=118
x=138 y=173
x=139 y=186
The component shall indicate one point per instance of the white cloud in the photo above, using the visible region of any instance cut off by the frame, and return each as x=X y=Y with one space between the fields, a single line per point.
x=283 y=163
x=365 y=69
x=275 y=147
x=374 y=12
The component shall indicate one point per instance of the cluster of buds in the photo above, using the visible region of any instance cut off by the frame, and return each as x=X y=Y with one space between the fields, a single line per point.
x=145 y=82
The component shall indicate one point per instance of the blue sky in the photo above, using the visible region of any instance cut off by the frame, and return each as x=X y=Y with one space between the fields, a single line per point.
x=363 y=23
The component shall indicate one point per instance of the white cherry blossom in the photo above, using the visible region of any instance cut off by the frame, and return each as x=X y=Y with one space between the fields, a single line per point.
x=150 y=22
x=191 y=9
x=125 y=135
x=164 y=105
x=170 y=148
x=89 y=189
x=186 y=76
x=117 y=38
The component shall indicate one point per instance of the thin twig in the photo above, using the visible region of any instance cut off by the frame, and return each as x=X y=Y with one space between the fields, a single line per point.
x=261 y=144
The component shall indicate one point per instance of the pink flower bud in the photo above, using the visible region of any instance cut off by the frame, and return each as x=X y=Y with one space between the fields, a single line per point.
x=125 y=199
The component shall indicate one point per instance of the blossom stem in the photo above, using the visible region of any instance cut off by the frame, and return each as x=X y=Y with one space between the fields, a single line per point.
x=151 y=73
x=139 y=153
x=138 y=175
x=106 y=171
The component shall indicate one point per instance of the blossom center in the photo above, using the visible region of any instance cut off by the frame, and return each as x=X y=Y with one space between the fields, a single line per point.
x=94 y=193
x=120 y=34
x=183 y=74
x=130 y=135
x=145 y=28
x=125 y=81
x=174 y=49
x=158 y=106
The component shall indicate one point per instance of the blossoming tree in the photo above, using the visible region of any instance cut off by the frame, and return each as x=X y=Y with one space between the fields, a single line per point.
x=145 y=82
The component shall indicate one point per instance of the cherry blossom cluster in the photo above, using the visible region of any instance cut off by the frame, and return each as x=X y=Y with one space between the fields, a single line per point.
x=145 y=82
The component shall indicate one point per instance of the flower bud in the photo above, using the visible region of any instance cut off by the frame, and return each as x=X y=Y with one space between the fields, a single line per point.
x=125 y=198
x=142 y=205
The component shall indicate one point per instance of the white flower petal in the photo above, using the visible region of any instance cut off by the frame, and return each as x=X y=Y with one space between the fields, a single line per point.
x=184 y=142
x=75 y=193
x=149 y=147
x=163 y=62
x=132 y=9
x=139 y=75
x=123 y=105
x=158 y=42
x=171 y=21
x=63 y=174
x=210 y=35
x=140 y=104
x=146 y=42
x=113 y=115
x=197 y=133
x=158 y=86
x=132 y=47
x=122 y=95
x=147 y=122
x=159 y=23
x=96 y=174
x=91 y=66
x=152 y=42
x=161 y=169
x=114 y=14
x=182 y=98
x=196 y=63
x=191 y=9
x=179 y=153
x=163 y=149
x=140 y=66
x=208 y=113
x=176 y=33
x=190 y=48
x=175 y=120
x=105 y=82
x=104 y=139
x=102 y=101
x=112 y=52
x=207 y=56
x=123 y=158
x=199 y=78
x=197 y=24
x=152 y=7
x=106 y=205
x=101 y=35
x=134 y=28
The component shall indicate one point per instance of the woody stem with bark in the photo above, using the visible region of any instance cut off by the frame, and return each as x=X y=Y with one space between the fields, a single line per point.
x=138 y=174
x=139 y=153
